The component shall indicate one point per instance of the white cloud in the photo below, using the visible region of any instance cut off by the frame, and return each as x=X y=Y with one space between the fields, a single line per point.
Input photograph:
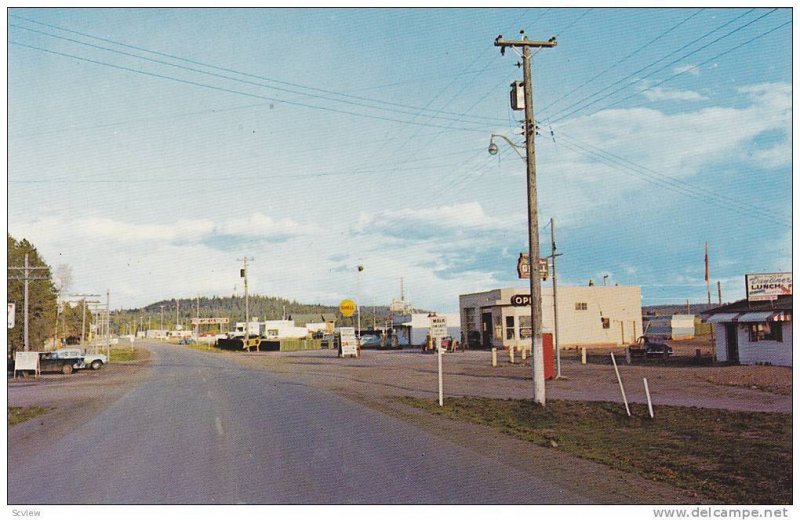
x=624 y=153
x=665 y=94
x=413 y=223
x=694 y=70
x=258 y=224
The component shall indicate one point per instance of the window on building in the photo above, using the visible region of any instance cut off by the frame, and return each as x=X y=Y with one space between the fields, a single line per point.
x=769 y=331
x=581 y=306
x=510 y=332
x=606 y=323
x=469 y=316
x=525 y=331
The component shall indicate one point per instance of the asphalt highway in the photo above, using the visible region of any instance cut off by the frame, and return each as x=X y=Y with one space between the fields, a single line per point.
x=199 y=428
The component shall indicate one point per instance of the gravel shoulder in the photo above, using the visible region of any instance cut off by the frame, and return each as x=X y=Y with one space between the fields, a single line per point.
x=72 y=400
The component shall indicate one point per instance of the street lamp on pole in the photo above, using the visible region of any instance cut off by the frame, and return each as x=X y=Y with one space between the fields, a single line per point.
x=358 y=299
x=525 y=98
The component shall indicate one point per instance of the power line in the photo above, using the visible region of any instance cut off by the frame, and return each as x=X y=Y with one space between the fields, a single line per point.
x=666 y=184
x=554 y=119
x=379 y=102
x=238 y=92
x=649 y=172
x=623 y=60
x=693 y=67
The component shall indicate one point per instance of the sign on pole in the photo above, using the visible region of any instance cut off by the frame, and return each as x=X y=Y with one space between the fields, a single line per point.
x=767 y=286
x=347 y=308
x=521 y=300
x=348 y=343
x=438 y=327
x=523 y=267
x=11 y=314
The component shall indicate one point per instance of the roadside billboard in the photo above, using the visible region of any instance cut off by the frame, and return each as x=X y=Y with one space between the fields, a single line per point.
x=767 y=286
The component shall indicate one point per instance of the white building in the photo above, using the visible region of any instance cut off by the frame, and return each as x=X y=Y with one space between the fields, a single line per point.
x=415 y=328
x=753 y=332
x=587 y=316
x=272 y=329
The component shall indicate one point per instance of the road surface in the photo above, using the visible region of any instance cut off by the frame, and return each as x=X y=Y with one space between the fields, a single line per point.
x=200 y=428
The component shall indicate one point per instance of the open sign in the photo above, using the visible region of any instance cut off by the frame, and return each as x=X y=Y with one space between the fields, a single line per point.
x=521 y=300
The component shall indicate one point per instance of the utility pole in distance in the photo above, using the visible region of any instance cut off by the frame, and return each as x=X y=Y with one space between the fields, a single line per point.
x=243 y=274
x=537 y=354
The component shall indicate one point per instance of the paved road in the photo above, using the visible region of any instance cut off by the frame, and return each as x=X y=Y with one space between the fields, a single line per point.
x=202 y=429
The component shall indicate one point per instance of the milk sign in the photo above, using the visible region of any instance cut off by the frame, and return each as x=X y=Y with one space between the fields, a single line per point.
x=768 y=286
x=438 y=327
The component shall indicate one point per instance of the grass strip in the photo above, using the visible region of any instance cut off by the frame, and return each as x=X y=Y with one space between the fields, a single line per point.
x=727 y=456
x=119 y=354
x=20 y=414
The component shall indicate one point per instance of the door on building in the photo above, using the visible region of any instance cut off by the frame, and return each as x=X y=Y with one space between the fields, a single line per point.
x=732 y=342
x=486 y=329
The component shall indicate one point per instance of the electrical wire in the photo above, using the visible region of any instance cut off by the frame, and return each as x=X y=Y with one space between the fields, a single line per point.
x=623 y=60
x=376 y=103
x=554 y=118
x=238 y=92
x=670 y=186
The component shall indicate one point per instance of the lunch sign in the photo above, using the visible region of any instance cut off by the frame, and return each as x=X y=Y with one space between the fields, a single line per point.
x=767 y=286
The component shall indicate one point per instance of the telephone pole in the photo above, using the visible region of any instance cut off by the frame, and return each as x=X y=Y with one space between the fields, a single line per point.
x=27 y=277
x=537 y=354
x=83 y=319
x=243 y=274
x=553 y=256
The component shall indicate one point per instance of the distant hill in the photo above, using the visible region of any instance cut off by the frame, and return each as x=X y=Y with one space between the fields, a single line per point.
x=261 y=307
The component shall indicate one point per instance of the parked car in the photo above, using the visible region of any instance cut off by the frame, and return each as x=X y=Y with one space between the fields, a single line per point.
x=186 y=341
x=647 y=347
x=93 y=361
x=370 y=340
x=48 y=362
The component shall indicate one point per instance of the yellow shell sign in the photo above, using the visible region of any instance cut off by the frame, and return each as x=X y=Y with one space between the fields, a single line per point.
x=347 y=308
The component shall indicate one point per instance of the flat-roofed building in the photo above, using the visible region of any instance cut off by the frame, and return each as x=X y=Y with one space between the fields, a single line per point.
x=587 y=316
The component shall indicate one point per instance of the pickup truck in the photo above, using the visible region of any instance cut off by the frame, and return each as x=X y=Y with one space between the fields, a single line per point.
x=93 y=361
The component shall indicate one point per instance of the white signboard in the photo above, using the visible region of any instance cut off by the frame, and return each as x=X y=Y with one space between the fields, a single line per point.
x=209 y=321
x=438 y=327
x=11 y=313
x=26 y=361
x=768 y=286
x=348 y=342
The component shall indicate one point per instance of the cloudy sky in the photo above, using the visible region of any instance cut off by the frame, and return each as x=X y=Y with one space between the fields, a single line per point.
x=149 y=149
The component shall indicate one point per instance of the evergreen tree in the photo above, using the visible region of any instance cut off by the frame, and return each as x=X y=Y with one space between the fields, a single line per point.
x=42 y=303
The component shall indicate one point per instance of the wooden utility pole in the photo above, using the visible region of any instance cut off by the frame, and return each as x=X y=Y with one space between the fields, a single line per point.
x=243 y=274
x=708 y=278
x=537 y=354
x=26 y=278
x=719 y=291
x=553 y=256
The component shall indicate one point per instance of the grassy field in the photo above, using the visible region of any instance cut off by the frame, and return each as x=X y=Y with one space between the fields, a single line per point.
x=18 y=414
x=726 y=456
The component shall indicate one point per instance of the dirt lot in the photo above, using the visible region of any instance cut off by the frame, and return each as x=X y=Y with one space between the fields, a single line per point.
x=71 y=398
x=410 y=372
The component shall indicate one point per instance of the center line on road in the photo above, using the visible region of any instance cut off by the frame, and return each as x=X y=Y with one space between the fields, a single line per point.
x=218 y=424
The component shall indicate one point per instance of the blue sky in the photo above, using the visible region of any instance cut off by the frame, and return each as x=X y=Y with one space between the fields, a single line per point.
x=150 y=148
